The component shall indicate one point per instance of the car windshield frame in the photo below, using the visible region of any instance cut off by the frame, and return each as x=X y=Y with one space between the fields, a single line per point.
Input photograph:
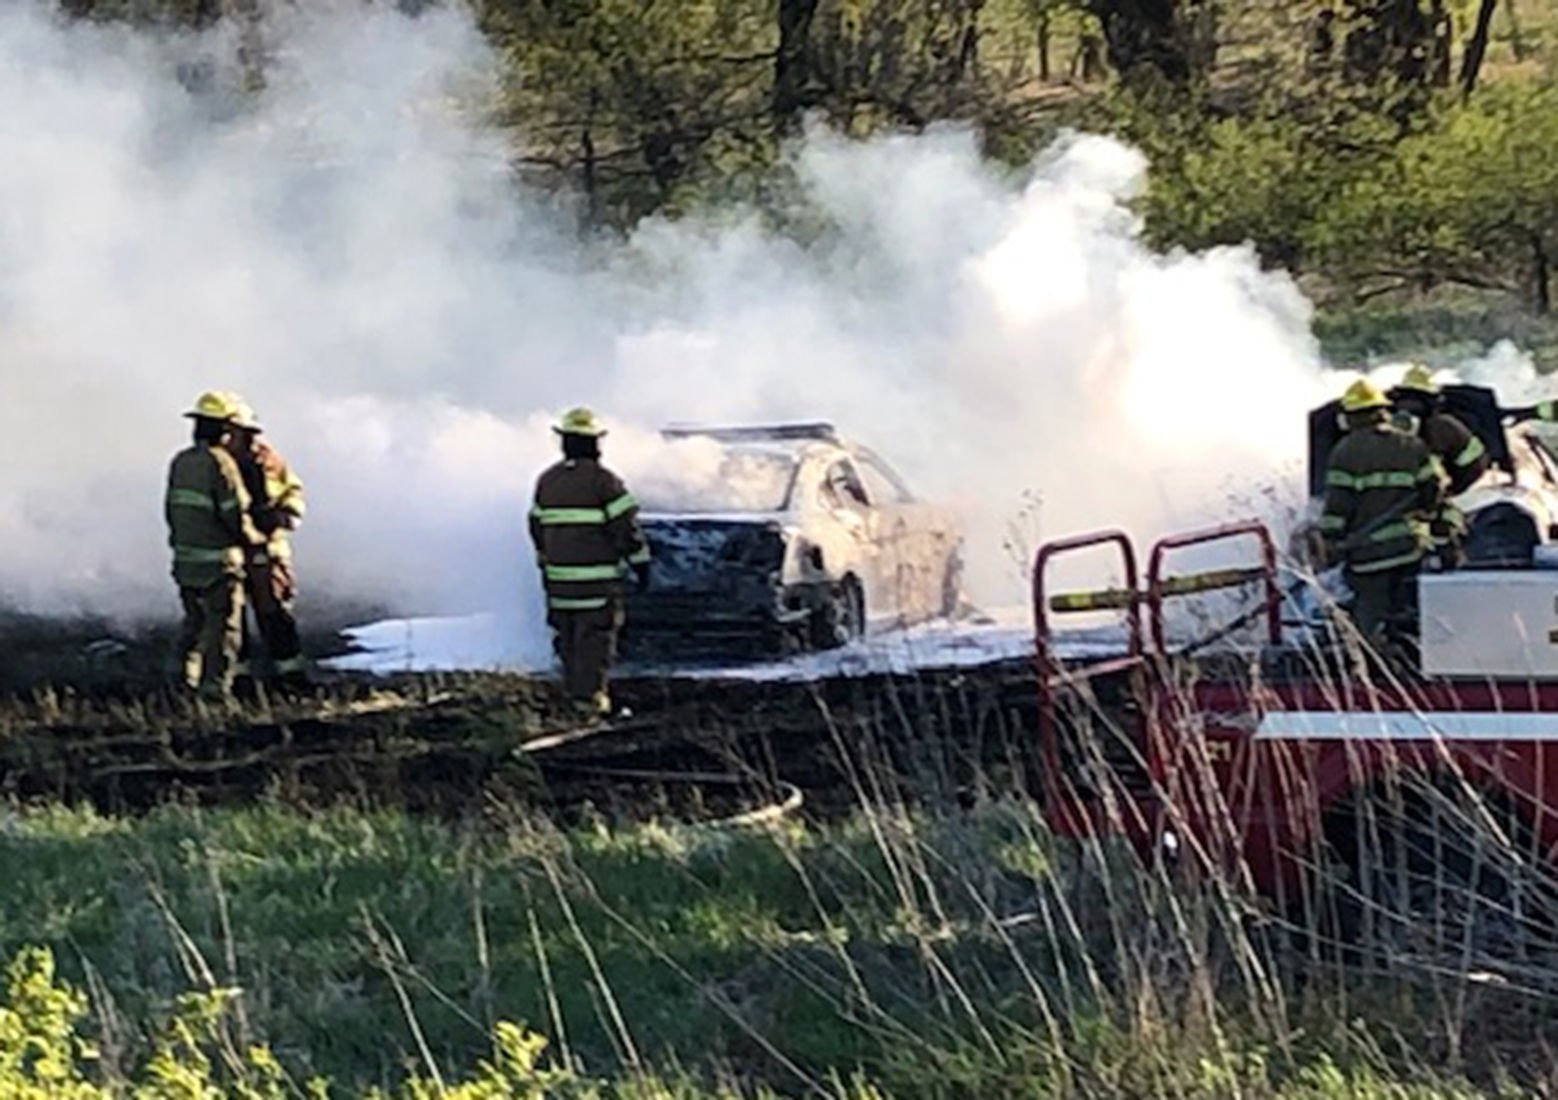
x=791 y=459
x=867 y=459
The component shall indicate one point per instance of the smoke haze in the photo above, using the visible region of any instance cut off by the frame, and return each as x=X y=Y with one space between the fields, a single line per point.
x=349 y=251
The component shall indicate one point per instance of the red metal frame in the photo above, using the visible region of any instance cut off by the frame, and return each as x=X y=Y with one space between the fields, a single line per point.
x=1236 y=797
x=1225 y=533
x=1068 y=815
x=1153 y=597
x=1276 y=791
x=1043 y=653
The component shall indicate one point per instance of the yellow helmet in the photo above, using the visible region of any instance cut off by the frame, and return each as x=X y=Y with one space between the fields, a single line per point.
x=1418 y=379
x=215 y=405
x=1363 y=395
x=580 y=421
x=243 y=416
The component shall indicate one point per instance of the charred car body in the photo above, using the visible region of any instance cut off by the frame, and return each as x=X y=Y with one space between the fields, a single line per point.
x=794 y=539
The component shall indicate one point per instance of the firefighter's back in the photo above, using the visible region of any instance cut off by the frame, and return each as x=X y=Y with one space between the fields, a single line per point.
x=573 y=506
x=205 y=500
x=1383 y=469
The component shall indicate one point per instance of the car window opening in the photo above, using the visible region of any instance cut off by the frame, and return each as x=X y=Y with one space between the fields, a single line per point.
x=843 y=488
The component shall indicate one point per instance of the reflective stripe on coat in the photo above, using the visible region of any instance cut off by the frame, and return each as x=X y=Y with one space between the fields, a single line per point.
x=584 y=525
x=207 y=511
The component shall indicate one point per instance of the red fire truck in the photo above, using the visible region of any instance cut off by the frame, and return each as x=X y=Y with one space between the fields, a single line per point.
x=1300 y=749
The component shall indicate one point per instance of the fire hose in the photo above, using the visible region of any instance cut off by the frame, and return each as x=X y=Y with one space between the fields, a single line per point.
x=789 y=796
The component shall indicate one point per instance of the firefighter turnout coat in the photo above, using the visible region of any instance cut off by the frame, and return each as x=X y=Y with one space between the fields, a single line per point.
x=277 y=495
x=1462 y=454
x=1382 y=487
x=585 y=528
x=207 y=509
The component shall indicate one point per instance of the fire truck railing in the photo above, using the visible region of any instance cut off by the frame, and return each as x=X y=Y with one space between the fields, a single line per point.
x=1161 y=588
x=1075 y=814
x=1143 y=612
x=1127 y=599
x=1144 y=606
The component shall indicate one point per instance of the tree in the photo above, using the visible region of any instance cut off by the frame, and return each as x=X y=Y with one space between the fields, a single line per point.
x=1044 y=19
x=793 y=62
x=1171 y=40
x=631 y=101
x=1394 y=52
x=899 y=62
x=1472 y=200
x=1477 y=46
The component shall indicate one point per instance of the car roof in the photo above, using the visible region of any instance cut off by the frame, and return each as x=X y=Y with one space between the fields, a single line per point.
x=795 y=443
x=797 y=451
x=791 y=432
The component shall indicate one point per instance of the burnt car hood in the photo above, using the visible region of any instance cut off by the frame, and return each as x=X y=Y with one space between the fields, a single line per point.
x=714 y=553
x=713 y=577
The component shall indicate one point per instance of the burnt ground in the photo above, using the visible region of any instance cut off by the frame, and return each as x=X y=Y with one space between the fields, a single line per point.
x=104 y=656
x=87 y=718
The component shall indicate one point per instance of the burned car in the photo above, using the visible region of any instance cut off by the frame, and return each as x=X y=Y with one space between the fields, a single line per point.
x=791 y=538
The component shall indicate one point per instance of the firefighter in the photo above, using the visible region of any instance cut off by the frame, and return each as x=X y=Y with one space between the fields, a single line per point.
x=277 y=506
x=1462 y=455
x=210 y=532
x=584 y=525
x=1382 y=487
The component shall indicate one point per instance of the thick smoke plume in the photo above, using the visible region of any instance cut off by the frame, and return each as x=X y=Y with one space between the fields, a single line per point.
x=347 y=248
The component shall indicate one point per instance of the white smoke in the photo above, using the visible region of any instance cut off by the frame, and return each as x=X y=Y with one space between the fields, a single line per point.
x=1507 y=369
x=1511 y=373
x=347 y=249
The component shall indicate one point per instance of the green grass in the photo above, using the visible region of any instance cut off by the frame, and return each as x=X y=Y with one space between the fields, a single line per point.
x=961 y=955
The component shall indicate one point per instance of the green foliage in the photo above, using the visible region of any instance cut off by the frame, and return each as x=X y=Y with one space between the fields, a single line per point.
x=654 y=107
x=634 y=101
x=1340 y=146
x=42 y=1057
x=40 y=1054
x=1473 y=200
x=1261 y=178
x=1230 y=181
x=1468 y=196
x=260 y=953
x=1455 y=323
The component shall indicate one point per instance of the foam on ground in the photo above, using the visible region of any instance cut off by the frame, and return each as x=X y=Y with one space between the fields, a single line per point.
x=487 y=643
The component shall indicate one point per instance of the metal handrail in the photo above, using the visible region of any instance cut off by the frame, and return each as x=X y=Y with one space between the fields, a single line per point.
x=1046 y=666
x=1160 y=588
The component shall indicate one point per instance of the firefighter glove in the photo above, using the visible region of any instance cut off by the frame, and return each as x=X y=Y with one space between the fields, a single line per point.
x=641 y=572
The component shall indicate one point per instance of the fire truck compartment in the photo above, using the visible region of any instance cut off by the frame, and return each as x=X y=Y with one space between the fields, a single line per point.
x=1501 y=624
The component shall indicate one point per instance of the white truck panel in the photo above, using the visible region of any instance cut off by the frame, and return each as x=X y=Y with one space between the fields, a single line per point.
x=1490 y=624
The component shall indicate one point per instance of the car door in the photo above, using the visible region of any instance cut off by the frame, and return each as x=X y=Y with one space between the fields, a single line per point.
x=921 y=541
x=856 y=545
x=896 y=540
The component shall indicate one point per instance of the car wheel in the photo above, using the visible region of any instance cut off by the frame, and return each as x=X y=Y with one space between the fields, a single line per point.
x=842 y=619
